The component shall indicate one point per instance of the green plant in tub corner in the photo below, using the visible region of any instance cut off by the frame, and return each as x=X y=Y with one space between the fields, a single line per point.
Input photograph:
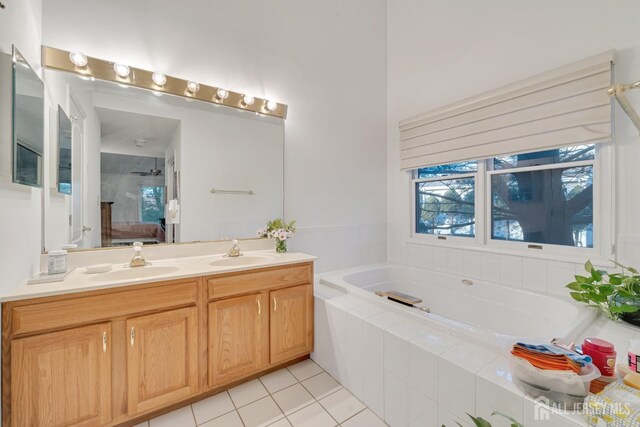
x=481 y=422
x=279 y=230
x=615 y=294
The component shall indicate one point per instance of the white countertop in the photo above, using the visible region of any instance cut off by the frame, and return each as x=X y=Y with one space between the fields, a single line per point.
x=159 y=270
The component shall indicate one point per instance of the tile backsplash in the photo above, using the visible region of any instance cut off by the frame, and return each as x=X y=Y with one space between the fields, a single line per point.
x=535 y=274
x=342 y=246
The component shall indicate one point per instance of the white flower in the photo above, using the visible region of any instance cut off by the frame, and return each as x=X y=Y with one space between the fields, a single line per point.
x=262 y=232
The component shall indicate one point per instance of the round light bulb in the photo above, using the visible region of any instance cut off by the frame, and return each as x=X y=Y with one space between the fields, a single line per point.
x=193 y=87
x=121 y=70
x=248 y=100
x=159 y=79
x=78 y=59
x=222 y=94
x=271 y=105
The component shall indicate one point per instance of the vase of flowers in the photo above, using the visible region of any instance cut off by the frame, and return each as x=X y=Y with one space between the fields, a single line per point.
x=279 y=230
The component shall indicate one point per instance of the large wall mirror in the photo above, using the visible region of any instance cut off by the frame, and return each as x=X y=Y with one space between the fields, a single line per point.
x=136 y=165
x=28 y=123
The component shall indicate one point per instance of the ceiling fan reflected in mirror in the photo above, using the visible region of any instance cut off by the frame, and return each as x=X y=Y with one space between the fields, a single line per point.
x=153 y=172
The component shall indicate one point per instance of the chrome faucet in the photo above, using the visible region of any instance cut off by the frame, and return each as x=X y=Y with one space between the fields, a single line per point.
x=234 y=251
x=138 y=259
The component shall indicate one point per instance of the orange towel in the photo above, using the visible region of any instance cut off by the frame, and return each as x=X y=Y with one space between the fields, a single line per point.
x=555 y=362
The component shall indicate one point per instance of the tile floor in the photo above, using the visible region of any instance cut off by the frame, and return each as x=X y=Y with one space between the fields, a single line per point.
x=302 y=395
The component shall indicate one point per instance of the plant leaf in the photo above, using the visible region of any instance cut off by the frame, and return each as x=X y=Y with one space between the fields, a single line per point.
x=588 y=267
x=480 y=422
x=513 y=421
x=574 y=286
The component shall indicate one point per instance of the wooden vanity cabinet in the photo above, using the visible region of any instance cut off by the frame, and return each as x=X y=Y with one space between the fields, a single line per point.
x=162 y=359
x=117 y=356
x=62 y=378
x=291 y=323
x=238 y=338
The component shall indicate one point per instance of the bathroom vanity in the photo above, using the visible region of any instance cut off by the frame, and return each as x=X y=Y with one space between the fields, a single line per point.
x=116 y=354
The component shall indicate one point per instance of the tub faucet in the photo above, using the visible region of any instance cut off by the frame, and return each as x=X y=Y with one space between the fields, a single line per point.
x=138 y=259
x=234 y=251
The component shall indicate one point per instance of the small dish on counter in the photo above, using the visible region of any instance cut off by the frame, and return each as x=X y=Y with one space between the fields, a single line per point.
x=98 y=268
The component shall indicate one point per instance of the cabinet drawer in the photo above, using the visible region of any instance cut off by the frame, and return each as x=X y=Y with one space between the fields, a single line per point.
x=275 y=277
x=74 y=311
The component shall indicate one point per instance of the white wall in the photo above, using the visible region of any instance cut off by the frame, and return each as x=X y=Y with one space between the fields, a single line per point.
x=20 y=229
x=442 y=52
x=326 y=60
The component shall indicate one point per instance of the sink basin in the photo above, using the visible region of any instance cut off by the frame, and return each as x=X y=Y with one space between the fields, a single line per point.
x=241 y=260
x=134 y=273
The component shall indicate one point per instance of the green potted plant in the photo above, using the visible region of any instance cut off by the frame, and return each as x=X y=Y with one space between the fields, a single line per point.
x=617 y=295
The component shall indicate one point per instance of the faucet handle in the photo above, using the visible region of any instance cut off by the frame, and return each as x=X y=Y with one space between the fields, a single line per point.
x=234 y=242
x=137 y=244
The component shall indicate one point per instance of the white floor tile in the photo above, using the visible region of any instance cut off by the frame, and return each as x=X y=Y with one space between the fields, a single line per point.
x=305 y=369
x=313 y=415
x=281 y=423
x=232 y=419
x=247 y=393
x=365 y=418
x=212 y=407
x=260 y=413
x=342 y=405
x=321 y=385
x=278 y=380
x=142 y=424
x=293 y=398
x=182 y=417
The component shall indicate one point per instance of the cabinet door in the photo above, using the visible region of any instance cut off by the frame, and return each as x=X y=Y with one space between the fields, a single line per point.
x=162 y=359
x=291 y=323
x=238 y=338
x=62 y=378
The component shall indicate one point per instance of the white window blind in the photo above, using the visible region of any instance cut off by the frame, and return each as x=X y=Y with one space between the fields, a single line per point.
x=566 y=106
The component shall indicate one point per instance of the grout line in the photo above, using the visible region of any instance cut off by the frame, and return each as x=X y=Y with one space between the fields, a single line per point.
x=193 y=414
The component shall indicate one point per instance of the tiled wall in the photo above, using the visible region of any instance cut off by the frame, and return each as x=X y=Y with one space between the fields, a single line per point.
x=342 y=246
x=539 y=275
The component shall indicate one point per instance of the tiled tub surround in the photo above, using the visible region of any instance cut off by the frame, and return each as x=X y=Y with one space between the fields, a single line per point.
x=480 y=310
x=518 y=270
x=414 y=372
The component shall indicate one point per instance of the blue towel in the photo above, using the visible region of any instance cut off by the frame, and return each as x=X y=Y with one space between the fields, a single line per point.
x=582 y=360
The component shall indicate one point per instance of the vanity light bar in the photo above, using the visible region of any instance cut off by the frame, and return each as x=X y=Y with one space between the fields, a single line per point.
x=71 y=62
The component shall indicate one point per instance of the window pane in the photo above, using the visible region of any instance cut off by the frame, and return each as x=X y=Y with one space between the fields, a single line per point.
x=549 y=206
x=151 y=204
x=450 y=169
x=446 y=207
x=559 y=155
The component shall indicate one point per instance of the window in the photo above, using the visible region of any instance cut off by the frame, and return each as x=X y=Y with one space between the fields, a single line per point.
x=151 y=203
x=445 y=200
x=532 y=199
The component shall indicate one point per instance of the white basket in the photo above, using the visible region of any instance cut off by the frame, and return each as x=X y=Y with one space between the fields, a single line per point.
x=563 y=387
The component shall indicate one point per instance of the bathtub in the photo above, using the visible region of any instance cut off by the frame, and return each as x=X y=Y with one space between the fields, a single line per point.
x=486 y=313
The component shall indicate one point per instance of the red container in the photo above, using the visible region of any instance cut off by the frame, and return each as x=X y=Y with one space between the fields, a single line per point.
x=603 y=354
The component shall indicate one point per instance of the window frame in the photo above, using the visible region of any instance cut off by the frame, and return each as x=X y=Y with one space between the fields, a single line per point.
x=603 y=213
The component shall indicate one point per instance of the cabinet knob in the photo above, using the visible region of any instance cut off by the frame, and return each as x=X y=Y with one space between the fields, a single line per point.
x=104 y=342
x=259 y=306
x=133 y=336
x=275 y=304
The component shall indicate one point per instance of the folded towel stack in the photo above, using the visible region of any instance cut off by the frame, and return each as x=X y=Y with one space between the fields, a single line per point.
x=550 y=357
